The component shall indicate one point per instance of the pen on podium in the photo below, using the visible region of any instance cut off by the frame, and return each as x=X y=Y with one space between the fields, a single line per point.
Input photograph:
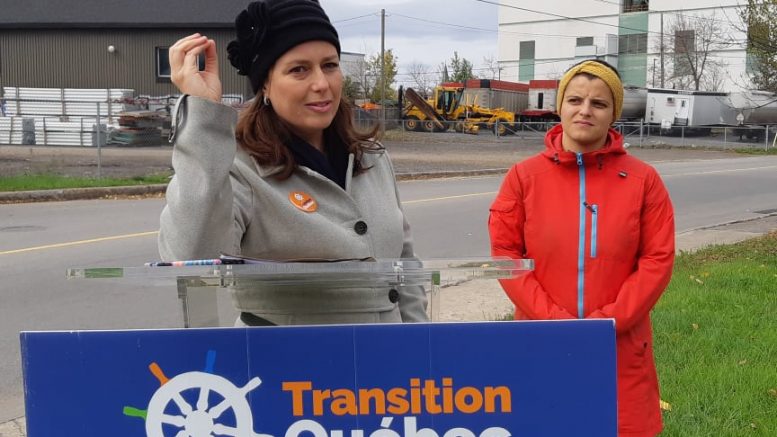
x=194 y=262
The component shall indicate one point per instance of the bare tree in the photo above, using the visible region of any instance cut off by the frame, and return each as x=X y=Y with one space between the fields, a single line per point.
x=689 y=44
x=442 y=70
x=491 y=67
x=363 y=78
x=422 y=78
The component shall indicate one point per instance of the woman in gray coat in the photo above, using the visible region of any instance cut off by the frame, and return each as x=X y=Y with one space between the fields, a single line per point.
x=287 y=178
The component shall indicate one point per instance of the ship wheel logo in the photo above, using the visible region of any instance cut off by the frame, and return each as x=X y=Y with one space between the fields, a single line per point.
x=197 y=404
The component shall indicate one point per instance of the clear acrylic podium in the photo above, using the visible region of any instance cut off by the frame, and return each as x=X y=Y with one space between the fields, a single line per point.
x=203 y=305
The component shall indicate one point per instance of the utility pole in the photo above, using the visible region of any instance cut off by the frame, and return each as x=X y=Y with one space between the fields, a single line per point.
x=383 y=67
x=662 y=49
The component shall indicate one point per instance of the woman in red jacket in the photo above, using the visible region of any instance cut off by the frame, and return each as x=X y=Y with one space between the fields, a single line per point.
x=600 y=226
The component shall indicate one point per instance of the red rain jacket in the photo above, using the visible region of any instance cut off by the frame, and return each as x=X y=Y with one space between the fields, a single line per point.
x=600 y=227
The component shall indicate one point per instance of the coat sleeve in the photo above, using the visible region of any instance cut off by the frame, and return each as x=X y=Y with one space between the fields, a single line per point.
x=201 y=218
x=506 y=228
x=642 y=289
x=412 y=300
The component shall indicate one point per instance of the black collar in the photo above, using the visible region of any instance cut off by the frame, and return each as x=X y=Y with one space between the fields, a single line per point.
x=333 y=165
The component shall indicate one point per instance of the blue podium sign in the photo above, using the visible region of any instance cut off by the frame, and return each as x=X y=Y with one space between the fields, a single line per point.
x=496 y=379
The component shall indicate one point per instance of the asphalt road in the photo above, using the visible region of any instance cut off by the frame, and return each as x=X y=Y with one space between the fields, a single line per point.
x=38 y=242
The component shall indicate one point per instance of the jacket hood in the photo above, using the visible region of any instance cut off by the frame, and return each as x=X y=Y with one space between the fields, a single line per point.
x=555 y=151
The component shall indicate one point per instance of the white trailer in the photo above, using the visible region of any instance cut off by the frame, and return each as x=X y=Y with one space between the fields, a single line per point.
x=688 y=108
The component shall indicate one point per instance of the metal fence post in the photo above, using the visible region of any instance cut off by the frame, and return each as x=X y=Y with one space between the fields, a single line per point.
x=641 y=126
x=99 y=144
x=766 y=138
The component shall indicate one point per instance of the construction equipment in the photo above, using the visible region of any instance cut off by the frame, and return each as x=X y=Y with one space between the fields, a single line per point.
x=448 y=107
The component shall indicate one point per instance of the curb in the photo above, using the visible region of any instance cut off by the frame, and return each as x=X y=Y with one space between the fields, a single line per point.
x=450 y=174
x=143 y=190
x=79 y=193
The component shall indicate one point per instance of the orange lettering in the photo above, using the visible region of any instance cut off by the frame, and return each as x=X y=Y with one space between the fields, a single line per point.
x=398 y=403
x=504 y=395
x=297 y=390
x=468 y=400
x=343 y=402
x=318 y=401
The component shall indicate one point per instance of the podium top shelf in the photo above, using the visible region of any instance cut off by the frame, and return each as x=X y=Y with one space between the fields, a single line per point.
x=390 y=271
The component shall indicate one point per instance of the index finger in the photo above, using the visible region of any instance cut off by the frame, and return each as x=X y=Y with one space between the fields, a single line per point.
x=211 y=57
x=177 y=52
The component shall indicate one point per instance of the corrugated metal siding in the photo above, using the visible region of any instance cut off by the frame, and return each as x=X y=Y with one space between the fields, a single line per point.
x=80 y=59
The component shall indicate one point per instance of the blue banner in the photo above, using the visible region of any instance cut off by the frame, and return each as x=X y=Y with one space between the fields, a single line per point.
x=495 y=379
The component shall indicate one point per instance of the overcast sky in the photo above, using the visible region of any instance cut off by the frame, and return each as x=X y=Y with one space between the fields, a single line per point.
x=419 y=31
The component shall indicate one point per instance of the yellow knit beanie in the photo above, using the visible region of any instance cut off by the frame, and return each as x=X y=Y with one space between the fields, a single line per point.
x=603 y=72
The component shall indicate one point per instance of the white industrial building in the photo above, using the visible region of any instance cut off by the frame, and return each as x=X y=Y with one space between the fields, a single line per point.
x=540 y=40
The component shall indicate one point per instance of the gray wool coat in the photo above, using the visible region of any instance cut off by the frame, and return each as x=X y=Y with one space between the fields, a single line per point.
x=221 y=201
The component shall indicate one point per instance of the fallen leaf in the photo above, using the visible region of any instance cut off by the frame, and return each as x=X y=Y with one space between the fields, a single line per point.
x=699 y=281
x=754 y=426
x=695 y=326
x=666 y=406
x=772 y=392
x=742 y=363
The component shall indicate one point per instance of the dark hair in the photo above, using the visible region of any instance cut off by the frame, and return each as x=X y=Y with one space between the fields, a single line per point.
x=263 y=134
x=598 y=61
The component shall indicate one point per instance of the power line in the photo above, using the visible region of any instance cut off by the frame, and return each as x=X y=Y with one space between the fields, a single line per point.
x=374 y=14
x=584 y=20
x=461 y=26
x=591 y=21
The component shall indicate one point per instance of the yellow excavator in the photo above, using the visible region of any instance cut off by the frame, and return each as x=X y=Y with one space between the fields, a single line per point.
x=445 y=110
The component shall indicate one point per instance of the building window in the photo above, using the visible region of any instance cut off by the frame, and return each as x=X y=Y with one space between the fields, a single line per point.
x=632 y=44
x=585 y=41
x=684 y=41
x=526 y=50
x=635 y=5
x=684 y=47
x=163 y=63
x=526 y=61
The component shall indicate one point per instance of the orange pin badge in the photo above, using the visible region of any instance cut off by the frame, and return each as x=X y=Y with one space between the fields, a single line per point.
x=303 y=201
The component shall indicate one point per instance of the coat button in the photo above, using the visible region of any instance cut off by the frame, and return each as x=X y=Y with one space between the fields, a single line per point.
x=360 y=227
x=393 y=296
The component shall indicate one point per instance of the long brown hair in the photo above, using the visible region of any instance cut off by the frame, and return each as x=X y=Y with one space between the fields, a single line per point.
x=263 y=135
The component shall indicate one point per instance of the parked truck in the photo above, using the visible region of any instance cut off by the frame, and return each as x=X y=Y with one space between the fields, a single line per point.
x=463 y=108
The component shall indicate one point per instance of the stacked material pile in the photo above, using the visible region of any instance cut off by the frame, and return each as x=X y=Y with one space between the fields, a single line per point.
x=59 y=116
x=139 y=128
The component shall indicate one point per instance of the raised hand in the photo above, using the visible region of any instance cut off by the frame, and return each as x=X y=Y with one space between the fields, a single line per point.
x=184 y=68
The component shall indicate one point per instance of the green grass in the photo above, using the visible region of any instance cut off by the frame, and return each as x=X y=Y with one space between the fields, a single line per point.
x=715 y=334
x=50 y=182
x=757 y=150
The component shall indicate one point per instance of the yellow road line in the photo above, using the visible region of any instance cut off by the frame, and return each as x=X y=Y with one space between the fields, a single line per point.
x=78 y=243
x=449 y=197
x=730 y=170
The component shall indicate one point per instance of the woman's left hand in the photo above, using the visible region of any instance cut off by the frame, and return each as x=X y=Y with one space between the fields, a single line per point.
x=184 y=67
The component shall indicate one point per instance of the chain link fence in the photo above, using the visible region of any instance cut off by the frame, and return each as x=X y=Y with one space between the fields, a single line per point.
x=145 y=121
